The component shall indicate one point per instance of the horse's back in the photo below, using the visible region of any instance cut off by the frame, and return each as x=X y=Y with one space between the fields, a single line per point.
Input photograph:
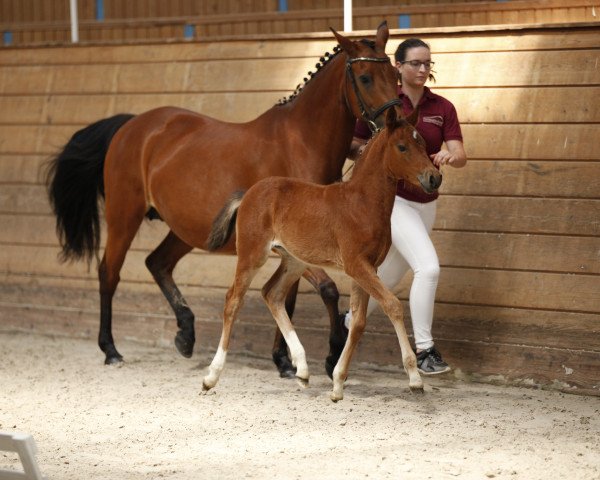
x=185 y=165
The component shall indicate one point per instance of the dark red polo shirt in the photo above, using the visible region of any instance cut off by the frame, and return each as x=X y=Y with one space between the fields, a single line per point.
x=438 y=122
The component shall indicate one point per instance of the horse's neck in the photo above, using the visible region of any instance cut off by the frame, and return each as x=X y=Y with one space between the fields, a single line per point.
x=320 y=120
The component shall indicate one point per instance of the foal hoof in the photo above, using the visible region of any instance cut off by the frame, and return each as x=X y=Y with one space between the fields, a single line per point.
x=335 y=398
x=417 y=389
x=205 y=389
x=184 y=346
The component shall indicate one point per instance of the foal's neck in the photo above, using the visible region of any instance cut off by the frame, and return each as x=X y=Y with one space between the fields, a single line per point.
x=370 y=176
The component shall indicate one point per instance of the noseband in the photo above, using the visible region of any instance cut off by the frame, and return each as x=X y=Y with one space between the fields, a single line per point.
x=368 y=117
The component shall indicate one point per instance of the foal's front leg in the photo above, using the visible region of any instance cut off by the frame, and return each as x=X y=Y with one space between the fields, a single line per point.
x=365 y=275
x=358 y=303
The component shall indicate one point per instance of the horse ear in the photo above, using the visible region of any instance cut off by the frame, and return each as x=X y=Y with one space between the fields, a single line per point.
x=346 y=44
x=382 y=37
x=413 y=118
x=390 y=119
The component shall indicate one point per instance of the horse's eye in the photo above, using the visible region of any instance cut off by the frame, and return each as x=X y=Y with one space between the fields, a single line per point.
x=401 y=147
x=364 y=79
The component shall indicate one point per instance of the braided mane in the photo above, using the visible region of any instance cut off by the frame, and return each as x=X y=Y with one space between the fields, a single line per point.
x=324 y=60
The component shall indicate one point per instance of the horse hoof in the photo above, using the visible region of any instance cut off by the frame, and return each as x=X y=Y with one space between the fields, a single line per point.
x=288 y=372
x=284 y=366
x=184 y=346
x=116 y=360
x=205 y=389
x=330 y=363
x=303 y=382
x=336 y=345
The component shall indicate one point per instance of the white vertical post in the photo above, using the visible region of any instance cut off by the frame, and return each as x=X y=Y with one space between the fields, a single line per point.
x=74 y=22
x=347 y=15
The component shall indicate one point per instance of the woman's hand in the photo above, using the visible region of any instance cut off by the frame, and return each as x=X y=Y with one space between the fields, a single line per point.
x=455 y=156
x=356 y=148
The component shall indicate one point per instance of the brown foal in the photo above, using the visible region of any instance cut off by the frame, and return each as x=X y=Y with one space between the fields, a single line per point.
x=343 y=225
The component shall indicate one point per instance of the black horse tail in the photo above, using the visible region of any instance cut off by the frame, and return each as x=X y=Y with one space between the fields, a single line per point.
x=75 y=181
x=224 y=223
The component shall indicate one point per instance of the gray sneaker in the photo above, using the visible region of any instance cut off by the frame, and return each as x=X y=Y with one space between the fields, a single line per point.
x=429 y=362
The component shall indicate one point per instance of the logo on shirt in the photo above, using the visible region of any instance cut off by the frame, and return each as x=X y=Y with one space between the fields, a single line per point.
x=435 y=119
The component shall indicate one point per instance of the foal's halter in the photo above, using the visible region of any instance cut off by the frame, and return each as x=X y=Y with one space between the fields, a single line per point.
x=368 y=117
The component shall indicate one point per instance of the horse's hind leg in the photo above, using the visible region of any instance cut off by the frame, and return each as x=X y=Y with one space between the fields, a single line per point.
x=330 y=296
x=280 y=349
x=118 y=240
x=161 y=263
x=275 y=292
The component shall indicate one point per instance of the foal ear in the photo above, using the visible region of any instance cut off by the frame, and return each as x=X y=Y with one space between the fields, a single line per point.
x=382 y=37
x=413 y=118
x=346 y=44
x=391 y=119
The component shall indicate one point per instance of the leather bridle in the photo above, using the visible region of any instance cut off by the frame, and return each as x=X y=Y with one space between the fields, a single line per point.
x=368 y=117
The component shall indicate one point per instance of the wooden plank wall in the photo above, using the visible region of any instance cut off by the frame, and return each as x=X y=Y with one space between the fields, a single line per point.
x=30 y=11
x=145 y=19
x=517 y=232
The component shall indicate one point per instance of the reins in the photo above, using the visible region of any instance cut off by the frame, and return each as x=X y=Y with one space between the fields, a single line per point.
x=368 y=117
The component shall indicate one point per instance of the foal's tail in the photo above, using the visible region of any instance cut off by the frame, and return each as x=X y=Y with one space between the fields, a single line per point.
x=75 y=181
x=224 y=223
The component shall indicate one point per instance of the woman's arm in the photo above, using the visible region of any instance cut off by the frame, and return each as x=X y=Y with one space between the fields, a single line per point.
x=454 y=156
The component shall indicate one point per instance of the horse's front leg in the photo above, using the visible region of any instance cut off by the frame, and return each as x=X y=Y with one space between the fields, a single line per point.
x=358 y=303
x=330 y=296
x=280 y=352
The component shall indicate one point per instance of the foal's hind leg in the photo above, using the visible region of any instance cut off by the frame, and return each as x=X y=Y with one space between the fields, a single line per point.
x=120 y=233
x=245 y=272
x=275 y=292
x=161 y=263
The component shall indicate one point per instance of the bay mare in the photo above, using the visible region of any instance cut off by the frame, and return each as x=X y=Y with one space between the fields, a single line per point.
x=181 y=166
x=328 y=226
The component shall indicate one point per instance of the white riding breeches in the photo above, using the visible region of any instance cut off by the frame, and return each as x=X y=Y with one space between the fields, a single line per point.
x=412 y=248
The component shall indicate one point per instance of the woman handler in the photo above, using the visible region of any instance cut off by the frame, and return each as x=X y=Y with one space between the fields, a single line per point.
x=414 y=210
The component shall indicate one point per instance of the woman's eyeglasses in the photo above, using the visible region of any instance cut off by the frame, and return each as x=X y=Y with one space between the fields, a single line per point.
x=417 y=64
